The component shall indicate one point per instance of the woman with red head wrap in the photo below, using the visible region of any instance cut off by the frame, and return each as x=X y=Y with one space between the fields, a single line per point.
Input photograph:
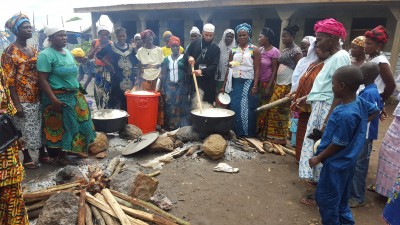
x=175 y=87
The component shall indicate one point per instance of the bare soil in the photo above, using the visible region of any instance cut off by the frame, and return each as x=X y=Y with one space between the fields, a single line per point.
x=266 y=190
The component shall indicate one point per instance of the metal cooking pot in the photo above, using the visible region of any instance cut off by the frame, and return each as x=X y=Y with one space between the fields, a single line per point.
x=212 y=121
x=109 y=125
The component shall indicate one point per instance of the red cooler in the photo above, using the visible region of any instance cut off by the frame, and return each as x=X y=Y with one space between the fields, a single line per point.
x=143 y=109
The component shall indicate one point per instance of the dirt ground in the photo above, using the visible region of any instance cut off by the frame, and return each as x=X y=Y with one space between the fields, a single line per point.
x=266 y=190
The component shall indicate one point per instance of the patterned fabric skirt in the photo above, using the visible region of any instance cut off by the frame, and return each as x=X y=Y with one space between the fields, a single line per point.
x=244 y=104
x=319 y=111
x=176 y=105
x=102 y=87
x=301 y=131
x=31 y=125
x=278 y=117
x=72 y=129
x=389 y=159
x=12 y=206
x=262 y=116
x=391 y=211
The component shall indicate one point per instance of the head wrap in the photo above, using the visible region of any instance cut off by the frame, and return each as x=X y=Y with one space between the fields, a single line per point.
x=378 y=34
x=15 y=21
x=304 y=63
x=224 y=56
x=360 y=41
x=167 y=33
x=147 y=33
x=246 y=27
x=101 y=27
x=307 y=39
x=292 y=29
x=174 y=41
x=208 y=27
x=48 y=31
x=330 y=26
x=195 y=30
x=78 y=52
x=137 y=35
x=269 y=33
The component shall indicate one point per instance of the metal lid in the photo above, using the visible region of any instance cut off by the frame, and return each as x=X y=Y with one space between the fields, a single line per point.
x=140 y=143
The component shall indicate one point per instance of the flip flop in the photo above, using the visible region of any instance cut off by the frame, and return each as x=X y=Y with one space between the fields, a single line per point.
x=309 y=200
x=30 y=165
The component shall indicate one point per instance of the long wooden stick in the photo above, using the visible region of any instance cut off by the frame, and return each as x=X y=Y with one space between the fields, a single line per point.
x=40 y=195
x=153 y=174
x=117 y=169
x=197 y=91
x=36 y=206
x=103 y=206
x=147 y=216
x=109 y=220
x=97 y=215
x=81 y=208
x=88 y=215
x=150 y=207
x=115 y=206
x=275 y=103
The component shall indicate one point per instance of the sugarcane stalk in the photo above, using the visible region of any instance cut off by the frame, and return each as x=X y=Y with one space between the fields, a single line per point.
x=81 y=208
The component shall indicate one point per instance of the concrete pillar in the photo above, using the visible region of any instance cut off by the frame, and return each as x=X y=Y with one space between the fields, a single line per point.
x=141 y=23
x=163 y=28
x=284 y=14
x=258 y=23
x=205 y=15
x=187 y=26
x=396 y=40
x=220 y=27
x=95 y=18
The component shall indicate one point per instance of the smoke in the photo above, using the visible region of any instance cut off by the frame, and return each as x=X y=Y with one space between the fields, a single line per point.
x=195 y=105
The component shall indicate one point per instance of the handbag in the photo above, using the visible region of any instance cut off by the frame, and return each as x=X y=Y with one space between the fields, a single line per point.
x=8 y=132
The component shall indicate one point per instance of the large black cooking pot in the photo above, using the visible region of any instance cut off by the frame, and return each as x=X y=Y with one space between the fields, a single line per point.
x=212 y=121
x=107 y=124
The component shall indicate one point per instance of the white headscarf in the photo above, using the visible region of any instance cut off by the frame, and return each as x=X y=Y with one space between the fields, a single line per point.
x=224 y=57
x=137 y=35
x=101 y=27
x=195 y=30
x=304 y=62
x=50 y=31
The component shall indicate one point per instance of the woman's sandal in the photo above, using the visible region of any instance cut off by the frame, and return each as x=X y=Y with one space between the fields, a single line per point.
x=30 y=165
x=309 y=200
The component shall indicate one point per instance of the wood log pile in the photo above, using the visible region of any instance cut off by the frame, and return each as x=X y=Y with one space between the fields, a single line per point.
x=255 y=145
x=100 y=205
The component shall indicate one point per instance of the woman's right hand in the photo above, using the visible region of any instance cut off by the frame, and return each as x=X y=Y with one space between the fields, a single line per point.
x=298 y=103
x=57 y=105
x=268 y=92
x=222 y=90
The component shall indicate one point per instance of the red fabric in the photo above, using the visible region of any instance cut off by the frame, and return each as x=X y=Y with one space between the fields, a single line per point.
x=330 y=26
x=174 y=41
x=378 y=34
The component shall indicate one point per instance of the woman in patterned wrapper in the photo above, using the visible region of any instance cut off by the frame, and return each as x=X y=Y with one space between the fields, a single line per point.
x=120 y=60
x=67 y=123
x=19 y=70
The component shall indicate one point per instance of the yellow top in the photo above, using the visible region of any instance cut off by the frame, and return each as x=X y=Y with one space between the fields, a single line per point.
x=167 y=50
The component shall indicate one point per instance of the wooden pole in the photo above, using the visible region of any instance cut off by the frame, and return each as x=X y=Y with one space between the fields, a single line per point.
x=88 y=215
x=115 y=206
x=197 y=91
x=81 y=208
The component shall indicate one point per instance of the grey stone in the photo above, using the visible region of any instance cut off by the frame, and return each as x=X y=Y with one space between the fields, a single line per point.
x=163 y=144
x=100 y=144
x=60 y=209
x=69 y=174
x=130 y=132
x=161 y=201
x=187 y=133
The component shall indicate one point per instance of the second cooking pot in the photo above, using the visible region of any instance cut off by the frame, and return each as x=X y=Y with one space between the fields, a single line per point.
x=212 y=120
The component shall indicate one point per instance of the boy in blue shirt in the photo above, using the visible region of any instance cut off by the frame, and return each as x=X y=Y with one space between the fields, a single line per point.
x=370 y=93
x=341 y=143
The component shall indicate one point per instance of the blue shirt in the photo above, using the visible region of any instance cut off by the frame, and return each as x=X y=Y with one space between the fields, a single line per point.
x=371 y=95
x=347 y=127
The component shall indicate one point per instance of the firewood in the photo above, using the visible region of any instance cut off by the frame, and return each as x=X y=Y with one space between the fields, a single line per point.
x=268 y=147
x=115 y=206
x=97 y=216
x=103 y=206
x=279 y=147
x=257 y=144
x=66 y=186
x=81 y=208
x=36 y=206
x=113 y=164
x=289 y=151
x=153 y=174
x=33 y=214
x=109 y=220
x=150 y=207
x=179 y=152
x=192 y=149
x=40 y=195
x=88 y=214
x=147 y=216
x=117 y=169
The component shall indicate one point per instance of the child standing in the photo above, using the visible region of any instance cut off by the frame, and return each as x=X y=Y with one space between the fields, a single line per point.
x=370 y=93
x=340 y=146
